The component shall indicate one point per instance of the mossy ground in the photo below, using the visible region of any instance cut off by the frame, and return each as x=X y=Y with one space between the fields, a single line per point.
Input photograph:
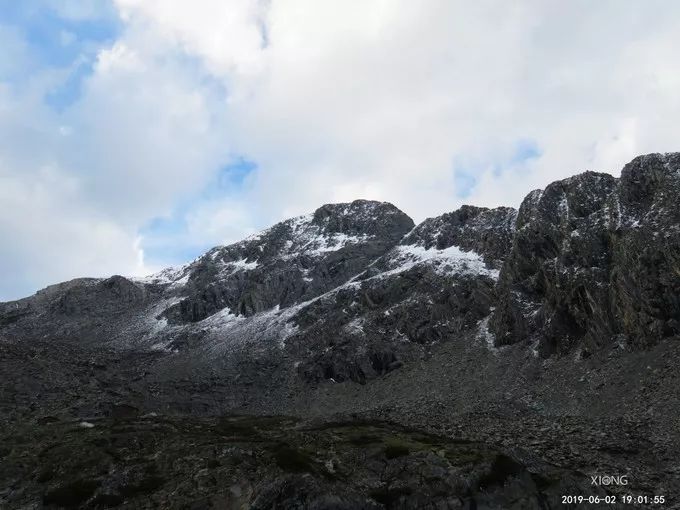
x=170 y=461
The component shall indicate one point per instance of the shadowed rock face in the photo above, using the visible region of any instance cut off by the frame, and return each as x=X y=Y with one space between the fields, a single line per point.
x=594 y=261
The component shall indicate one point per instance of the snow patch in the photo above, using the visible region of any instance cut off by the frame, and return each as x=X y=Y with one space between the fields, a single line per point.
x=312 y=240
x=270 y=327
x=243 y=265
x=451 y=260
x=355 y=327
x=563 y=206
x=175 y=276
x=223 y=318
x=485 y=335
x=321 y=245
x=162 y=347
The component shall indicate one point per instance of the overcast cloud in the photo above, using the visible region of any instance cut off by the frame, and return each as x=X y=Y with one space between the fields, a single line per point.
x=137 y=133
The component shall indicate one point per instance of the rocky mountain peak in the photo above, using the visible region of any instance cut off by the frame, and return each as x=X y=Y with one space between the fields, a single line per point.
x=487 y=232
x=330 y=228
x=565 y=200
x=366 y=217
x=650 y=185
x=293 y=261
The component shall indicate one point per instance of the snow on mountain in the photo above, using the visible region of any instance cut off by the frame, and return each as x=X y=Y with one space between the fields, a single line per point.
x=351 y=289
x=451 y=260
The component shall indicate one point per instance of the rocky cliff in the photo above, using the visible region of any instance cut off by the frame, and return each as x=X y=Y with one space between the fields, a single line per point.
x=595 y=261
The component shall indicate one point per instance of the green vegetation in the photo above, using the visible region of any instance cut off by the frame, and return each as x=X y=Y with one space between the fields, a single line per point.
x=252 y=426
x=364 y=439
x=158 y=458
x=293 y=460
x=231 y=427
x=107 y=501
x=396 y=448
x=460 y=455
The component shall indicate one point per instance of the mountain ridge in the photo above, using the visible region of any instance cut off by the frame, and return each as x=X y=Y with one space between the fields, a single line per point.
x=339 y=246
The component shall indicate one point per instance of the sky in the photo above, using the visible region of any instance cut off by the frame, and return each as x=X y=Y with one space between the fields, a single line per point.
x=136 y=134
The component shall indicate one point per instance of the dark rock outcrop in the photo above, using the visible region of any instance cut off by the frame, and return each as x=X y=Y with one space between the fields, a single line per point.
x=594 y=261
x=488 y=232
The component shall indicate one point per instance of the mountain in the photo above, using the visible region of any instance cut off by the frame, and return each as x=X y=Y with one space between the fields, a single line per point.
x=544 y=336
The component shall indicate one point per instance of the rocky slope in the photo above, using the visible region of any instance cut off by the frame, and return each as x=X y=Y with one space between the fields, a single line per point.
x=275 y=462
x=548 y=334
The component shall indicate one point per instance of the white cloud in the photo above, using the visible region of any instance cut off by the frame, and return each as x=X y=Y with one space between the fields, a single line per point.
x=337 y=100
x=47 y=233
x=146 y=131
x=227 y=35
x=77 y=186
x=379 y=98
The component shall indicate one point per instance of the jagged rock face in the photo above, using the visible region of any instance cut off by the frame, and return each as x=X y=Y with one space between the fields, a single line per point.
x=428 y=289
x=595 y=261
x=487 y=232
x=294 y=261
x=646 y=251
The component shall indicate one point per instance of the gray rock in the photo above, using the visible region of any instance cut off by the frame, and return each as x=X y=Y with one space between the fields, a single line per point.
x=594 y=261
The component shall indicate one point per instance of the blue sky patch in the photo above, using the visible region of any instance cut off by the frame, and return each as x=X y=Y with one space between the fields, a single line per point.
x=55 y=42
x=464 y=182
x=466 y=174
x=70 y=90
x=234 y=175
x=525 y=150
